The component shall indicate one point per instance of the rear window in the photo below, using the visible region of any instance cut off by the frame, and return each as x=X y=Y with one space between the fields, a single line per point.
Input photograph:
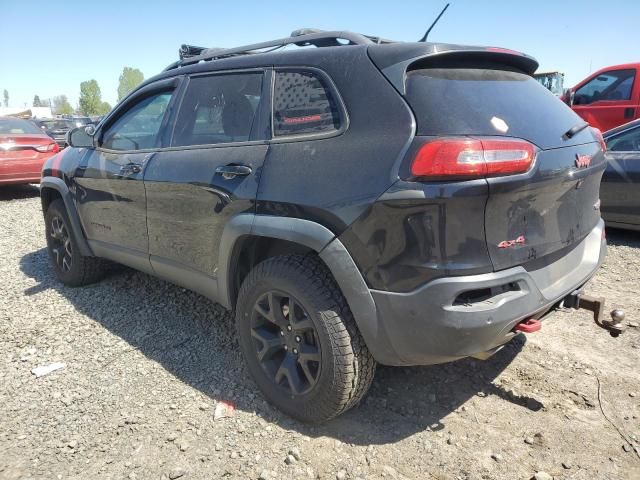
x=17 y=126
x=473 y=101
x=58 y=124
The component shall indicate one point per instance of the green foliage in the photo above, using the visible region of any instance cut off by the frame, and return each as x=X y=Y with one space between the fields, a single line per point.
x=104 y=108
x=6 y=97
x=130 y=78
x=90 y=100
x=61 y=105
x=36 y=101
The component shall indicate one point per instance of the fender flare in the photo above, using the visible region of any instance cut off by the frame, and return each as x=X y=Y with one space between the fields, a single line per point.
x=58 y=185
x=330 y=250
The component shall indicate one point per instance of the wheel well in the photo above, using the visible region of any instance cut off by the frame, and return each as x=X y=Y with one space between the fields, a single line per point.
x=48 y=195
x=251 y=250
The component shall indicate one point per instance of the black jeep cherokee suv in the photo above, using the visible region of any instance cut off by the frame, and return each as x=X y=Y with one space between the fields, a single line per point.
x=363 y=201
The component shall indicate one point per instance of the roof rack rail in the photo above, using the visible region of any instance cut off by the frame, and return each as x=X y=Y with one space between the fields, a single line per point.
x=190 y=55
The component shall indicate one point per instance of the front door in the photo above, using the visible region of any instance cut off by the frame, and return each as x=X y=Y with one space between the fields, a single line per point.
x=111 y=196
x=209 y=174
x=608 y=99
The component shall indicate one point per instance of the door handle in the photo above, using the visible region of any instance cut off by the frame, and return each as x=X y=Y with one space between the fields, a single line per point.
x=130 y=168
x=629 y=112
x=231 y=171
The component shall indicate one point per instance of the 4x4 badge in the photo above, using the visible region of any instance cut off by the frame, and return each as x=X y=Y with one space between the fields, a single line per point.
x=510 y=243
x=583 y=161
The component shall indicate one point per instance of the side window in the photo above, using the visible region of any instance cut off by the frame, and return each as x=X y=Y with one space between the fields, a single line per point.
x=628 y=141
x=139 y=126
x=303 y=104
x=614 y=85
x=218 y=109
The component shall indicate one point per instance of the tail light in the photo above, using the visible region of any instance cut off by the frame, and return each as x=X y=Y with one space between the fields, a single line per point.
x=600 y=138
x=466 y=157
x=51 y=148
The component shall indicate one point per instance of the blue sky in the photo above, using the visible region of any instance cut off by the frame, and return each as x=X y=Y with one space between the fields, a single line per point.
x=49 y=47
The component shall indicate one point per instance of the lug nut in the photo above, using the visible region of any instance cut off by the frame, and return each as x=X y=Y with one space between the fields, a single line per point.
x=298 y=339
x=281 y=333
x=289 y=328
x=286 y=348
x=295 y=351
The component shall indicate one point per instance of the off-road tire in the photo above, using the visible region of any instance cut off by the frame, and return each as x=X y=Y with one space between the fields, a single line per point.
x=346 y=367
x=82 y=270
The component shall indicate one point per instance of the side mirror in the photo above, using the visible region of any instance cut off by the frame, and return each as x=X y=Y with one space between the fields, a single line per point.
x=568 y=96
x=81 y=137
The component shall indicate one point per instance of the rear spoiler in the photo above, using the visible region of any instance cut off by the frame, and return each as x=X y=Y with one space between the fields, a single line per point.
x=395 y=62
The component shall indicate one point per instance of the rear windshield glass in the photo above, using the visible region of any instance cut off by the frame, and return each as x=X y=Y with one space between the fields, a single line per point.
x=472 y=101
x=58 y=124
x=17 y=126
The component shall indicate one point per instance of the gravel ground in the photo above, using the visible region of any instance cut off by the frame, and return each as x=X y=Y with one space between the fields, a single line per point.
x=146 y=364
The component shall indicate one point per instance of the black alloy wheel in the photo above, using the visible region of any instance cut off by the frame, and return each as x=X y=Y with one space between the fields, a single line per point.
x=286 y=342
x=61 y=244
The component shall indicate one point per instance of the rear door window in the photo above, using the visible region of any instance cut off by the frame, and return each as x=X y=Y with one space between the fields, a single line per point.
x=478 y=101
x=219 y=109
x=303 y=104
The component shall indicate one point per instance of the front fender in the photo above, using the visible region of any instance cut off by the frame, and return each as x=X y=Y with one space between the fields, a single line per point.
x=57 y=184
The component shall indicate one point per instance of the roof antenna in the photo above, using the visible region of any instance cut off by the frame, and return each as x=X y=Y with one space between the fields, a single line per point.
x=424 y=39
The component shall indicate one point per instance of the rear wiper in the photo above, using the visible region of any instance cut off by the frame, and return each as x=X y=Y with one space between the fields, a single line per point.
x=573 y=131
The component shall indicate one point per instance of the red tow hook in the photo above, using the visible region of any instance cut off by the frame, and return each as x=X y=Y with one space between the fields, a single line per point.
x=528 y=326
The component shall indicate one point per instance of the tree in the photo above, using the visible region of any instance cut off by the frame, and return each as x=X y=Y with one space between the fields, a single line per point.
x=130 y=78
x=36 y=101
x=6 y=98
x=104 y=108
x=61 y=105
x=90 y=99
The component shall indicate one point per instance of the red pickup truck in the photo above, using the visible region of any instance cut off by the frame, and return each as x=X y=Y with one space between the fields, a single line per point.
x=609 y=97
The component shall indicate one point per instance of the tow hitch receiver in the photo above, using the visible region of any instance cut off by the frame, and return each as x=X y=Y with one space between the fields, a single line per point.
x=579 y=300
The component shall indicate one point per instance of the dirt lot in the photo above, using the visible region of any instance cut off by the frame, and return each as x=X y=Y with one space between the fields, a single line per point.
x=147 y=363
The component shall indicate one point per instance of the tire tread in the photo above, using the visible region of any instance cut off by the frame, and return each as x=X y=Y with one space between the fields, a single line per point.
x=354 y=364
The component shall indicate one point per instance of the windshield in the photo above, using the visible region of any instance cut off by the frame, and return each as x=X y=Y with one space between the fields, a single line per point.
x=17 y=126
x=474 y=101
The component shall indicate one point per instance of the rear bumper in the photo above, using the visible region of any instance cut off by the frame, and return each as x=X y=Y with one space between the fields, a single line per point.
x=16 y=171
x=441 y=321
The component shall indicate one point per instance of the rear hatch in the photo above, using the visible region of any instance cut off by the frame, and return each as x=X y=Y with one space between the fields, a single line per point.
x=531 y=218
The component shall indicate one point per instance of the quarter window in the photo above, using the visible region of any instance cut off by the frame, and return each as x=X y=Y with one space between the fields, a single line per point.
x=303 y=104
x=138 y=127
x=218 y=109
x=611 y=86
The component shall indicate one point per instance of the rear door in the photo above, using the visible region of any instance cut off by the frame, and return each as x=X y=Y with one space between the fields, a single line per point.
x=532 y=215
x=620 y=190
x=209 y=174
x=111 y=196
x=608 y=99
